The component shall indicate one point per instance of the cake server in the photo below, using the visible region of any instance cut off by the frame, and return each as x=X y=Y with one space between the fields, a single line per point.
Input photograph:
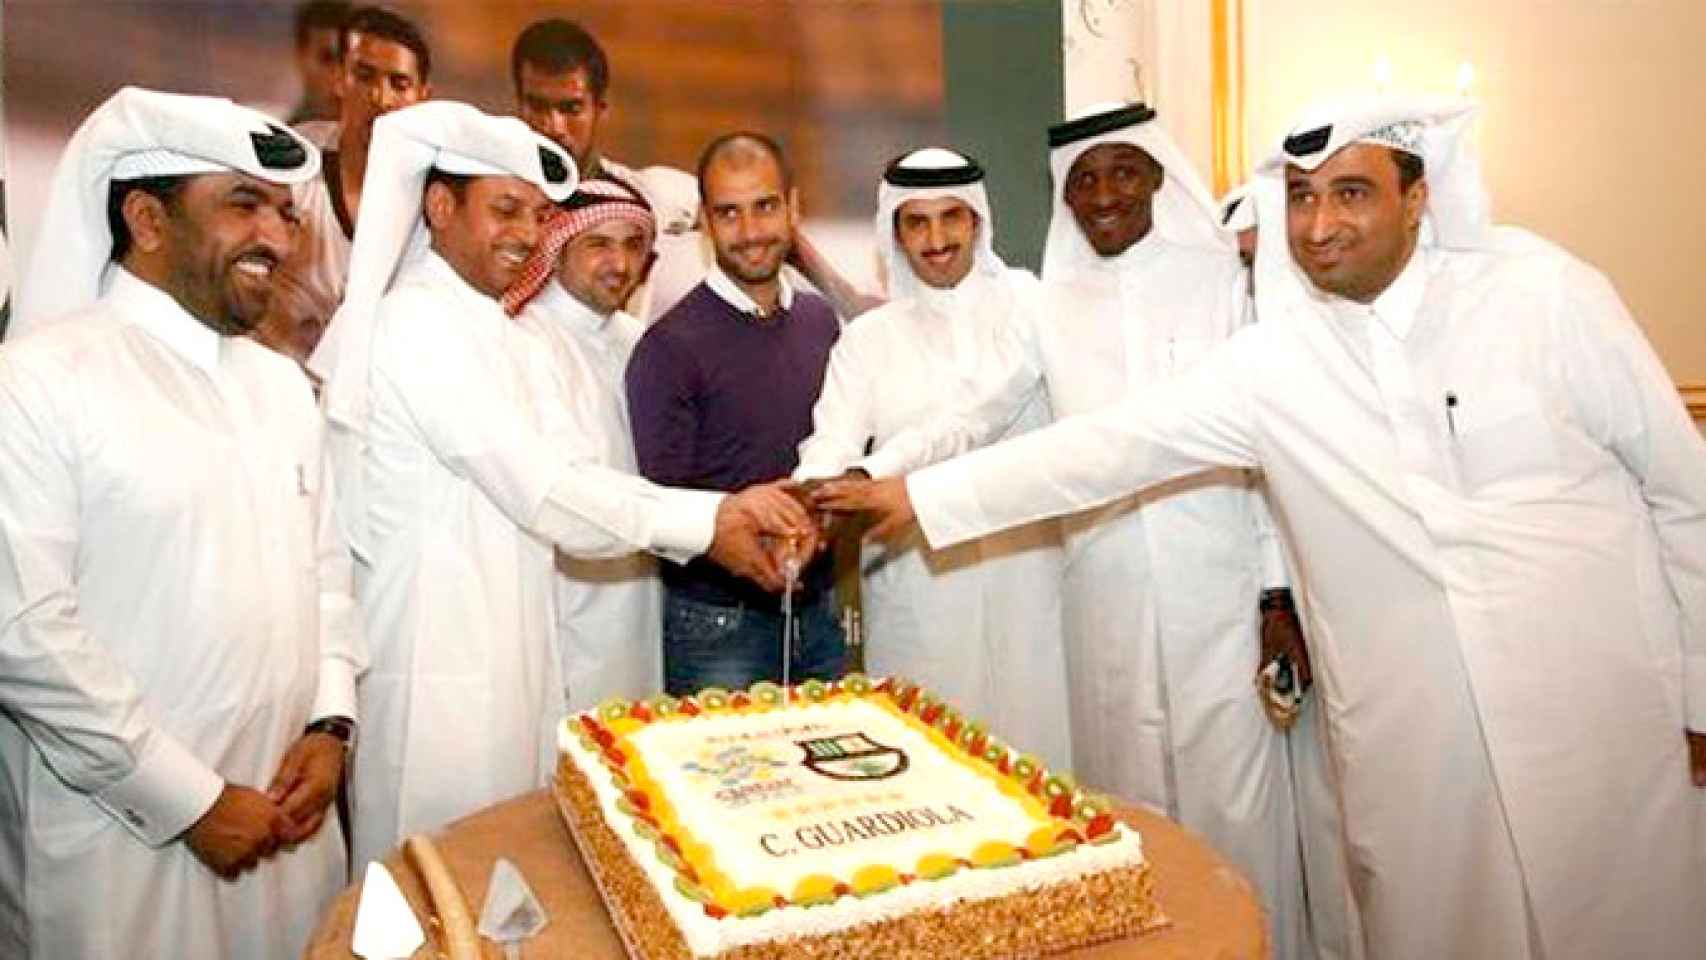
x=512 y=913
x=385 y=925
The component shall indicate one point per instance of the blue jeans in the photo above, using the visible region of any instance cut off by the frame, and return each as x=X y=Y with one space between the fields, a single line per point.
x=708 y=645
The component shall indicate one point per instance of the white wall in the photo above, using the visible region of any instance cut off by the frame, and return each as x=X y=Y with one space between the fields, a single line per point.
x=1593 y=132
x=1156 y=51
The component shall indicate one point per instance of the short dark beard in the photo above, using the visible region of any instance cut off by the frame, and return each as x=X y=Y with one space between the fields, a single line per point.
x=220 y=316
x=733 y=269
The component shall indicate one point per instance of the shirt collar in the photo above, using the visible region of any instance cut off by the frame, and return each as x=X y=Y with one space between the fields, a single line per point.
x=446 y=273
x=563 y=306
x=1398 y=304
x=1140 y=254
x=734 y=296
x=155 y=311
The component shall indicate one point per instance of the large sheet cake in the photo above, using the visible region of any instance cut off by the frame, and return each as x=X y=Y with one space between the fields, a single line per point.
x=855 y=819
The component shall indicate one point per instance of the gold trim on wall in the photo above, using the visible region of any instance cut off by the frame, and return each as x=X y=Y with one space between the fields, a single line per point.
x=1226 y=83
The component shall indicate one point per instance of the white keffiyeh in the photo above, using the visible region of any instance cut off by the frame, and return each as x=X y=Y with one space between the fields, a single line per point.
x=140 y=133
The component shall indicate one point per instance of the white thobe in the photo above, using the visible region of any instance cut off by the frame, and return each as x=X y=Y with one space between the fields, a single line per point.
x=467 y=491
x=1161 y=587
x=609 y=610
x=174 y=609
x=979 y=623
x=1499 y=509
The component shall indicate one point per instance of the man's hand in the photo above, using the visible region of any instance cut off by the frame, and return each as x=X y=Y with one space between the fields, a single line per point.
x=306 y=783
x=746 y=518
x=1697 y=757
x=886 y=501
x=239 y=829
x=831 y=526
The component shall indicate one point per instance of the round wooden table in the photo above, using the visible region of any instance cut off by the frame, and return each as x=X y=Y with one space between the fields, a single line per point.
x=1214 y=913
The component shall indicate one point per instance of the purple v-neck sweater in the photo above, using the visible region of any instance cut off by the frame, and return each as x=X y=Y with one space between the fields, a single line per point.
x=719 y=400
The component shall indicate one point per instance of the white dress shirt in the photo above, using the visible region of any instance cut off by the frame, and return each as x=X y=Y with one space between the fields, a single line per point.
x=978 y=623
x=174 y=609
x=609 y=610
x=1498 y=504
x=467 y=493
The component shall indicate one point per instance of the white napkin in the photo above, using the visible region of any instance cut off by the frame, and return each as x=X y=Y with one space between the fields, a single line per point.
x=385 y=925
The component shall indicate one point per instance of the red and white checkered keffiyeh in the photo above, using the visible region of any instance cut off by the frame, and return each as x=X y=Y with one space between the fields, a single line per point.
x=593 y=202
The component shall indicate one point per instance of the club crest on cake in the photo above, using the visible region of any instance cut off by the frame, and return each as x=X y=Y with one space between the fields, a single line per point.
x=852 y=756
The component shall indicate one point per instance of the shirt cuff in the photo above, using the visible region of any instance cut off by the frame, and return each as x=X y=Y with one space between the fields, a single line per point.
x=165 y=795
x=883 y=463
x=336 y=695
x=685 y=524
x=815 y=471
x=1694 y=691
x=946 y=504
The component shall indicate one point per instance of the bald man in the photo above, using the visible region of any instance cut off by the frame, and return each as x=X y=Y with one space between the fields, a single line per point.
x=720 y=391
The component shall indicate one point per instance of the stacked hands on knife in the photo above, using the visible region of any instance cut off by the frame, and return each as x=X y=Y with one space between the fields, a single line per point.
x=768 y=527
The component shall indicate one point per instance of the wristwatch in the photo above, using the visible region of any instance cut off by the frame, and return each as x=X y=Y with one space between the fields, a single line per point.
x=342 y=728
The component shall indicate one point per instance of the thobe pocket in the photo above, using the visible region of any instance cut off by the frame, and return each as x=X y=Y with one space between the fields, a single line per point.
x=1501 y=436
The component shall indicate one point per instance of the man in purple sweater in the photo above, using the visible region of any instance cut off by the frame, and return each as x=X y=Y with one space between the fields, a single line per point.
x=720 y=392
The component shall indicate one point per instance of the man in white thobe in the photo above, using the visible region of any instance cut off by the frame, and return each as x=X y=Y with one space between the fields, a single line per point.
x=1498 y=505
x=978 y=623
x=458 y=490
x=595 y=250
x=178 y=645
x=1163 y=589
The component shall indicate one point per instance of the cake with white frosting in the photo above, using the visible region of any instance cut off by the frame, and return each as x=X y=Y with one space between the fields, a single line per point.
x=857 y=819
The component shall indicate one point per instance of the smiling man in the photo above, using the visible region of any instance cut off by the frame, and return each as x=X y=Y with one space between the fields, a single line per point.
x=721 y=391
x=978 y=623
x=454 y=488
x=178 y=650
x=595 y=249
x=1499 y=502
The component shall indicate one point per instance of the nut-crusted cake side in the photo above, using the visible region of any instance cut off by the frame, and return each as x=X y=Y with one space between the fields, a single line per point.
x=895 y=828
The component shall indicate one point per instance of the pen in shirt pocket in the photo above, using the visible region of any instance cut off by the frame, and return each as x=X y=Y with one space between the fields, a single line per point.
x=1451 y=412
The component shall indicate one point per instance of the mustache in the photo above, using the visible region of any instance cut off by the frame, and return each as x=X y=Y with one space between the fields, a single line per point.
x=938 y=251
x=763 y=244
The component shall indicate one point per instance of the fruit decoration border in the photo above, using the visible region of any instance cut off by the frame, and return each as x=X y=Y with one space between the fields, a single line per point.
x=1081 y=817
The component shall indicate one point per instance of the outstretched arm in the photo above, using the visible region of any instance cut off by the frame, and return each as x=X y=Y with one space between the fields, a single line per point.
x=1199 y=420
